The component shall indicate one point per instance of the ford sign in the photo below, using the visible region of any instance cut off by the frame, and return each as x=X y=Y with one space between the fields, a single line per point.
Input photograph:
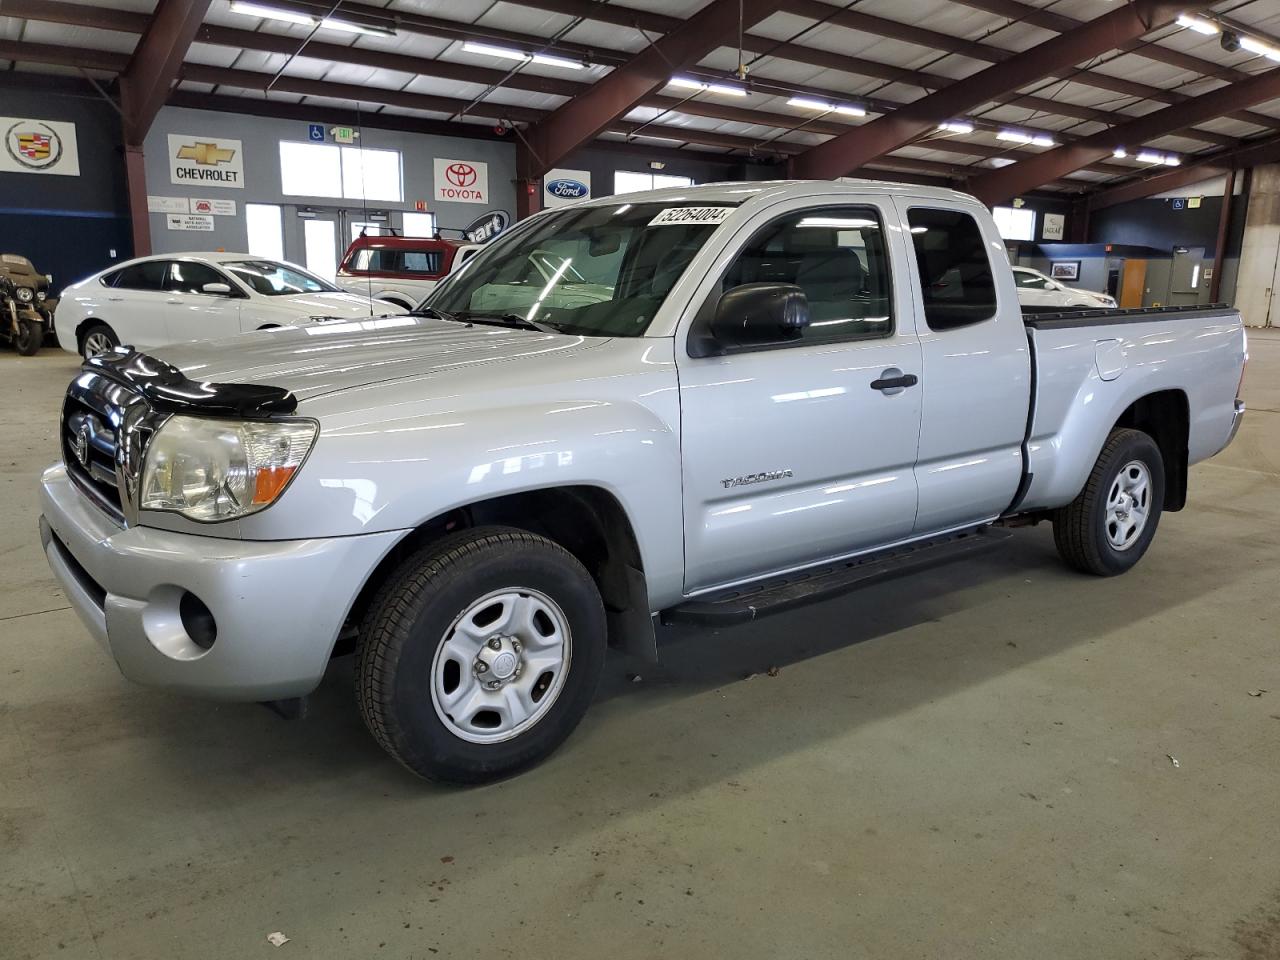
x=568 y=189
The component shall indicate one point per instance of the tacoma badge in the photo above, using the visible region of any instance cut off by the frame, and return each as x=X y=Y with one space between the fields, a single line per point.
x=756 y=478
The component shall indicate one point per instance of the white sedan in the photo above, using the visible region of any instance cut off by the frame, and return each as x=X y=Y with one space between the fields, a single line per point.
x=196 y=296
x=1042 y=292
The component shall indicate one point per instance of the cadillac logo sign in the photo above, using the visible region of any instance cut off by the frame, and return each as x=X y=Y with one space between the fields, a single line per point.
x=37 y=146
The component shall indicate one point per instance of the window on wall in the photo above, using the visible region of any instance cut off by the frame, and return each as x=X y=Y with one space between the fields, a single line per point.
x=419 y=225
x=346 y=173
x=627 y=181
x=1015 y=223
x=265 y=230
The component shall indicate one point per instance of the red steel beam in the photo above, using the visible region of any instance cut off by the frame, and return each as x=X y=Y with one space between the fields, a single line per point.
x=995 y=187
x=851 y=150
x=145 y=83
x=582 y=119
x=1252 y=154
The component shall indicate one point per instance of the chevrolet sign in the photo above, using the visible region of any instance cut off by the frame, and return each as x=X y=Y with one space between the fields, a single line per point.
x=210 y=161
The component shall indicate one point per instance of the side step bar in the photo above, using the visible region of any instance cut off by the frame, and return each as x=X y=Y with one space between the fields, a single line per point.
x=765 y=597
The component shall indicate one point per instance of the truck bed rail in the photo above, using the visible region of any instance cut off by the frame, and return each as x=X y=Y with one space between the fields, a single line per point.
x=1051 y=319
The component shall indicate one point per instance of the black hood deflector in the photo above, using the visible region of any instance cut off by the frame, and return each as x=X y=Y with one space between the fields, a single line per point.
x=169 y=390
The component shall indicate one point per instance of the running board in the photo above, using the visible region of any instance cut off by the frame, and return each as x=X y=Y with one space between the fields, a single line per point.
x=776 y=594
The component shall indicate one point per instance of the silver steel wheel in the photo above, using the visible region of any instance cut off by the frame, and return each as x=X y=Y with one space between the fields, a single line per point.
x=1128 y=505
x=97 y=343
x=501 y=666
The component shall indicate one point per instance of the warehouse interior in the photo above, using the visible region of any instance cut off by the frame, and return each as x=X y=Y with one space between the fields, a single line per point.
x=996 y=757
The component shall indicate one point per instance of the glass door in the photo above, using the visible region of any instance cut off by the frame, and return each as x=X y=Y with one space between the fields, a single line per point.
x=320 y=246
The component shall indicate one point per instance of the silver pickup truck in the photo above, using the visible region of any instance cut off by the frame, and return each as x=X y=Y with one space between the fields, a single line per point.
x=721 y=401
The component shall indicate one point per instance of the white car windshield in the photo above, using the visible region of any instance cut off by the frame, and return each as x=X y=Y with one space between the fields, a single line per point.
x=596 y=271
x=273 y=279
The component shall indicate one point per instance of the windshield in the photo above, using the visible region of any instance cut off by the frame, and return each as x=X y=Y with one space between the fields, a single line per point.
x=595 y=271
x=273 y=279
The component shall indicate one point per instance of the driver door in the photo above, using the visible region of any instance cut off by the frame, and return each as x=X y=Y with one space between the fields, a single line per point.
x=791 y=453
x=191 y=313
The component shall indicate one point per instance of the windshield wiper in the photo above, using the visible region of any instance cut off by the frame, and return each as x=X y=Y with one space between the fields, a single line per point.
x=436 y=312
x=513 y=320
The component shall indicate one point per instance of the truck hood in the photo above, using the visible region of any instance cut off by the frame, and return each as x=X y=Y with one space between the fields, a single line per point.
x=329 y=356
x=332 y=303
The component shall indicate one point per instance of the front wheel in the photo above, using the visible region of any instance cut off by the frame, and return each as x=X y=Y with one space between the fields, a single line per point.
x=30 y=337
x=480 y=655
x=1109 y=526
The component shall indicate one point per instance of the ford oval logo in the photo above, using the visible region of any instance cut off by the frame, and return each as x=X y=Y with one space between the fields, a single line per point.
x=568 y=189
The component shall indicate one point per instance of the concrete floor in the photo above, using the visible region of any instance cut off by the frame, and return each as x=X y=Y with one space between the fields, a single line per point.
x=971 y=763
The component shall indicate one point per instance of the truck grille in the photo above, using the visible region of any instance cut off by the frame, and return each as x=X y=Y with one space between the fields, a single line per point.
x=92 y=416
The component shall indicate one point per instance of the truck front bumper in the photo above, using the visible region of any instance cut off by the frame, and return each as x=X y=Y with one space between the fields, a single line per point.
x=277 y=607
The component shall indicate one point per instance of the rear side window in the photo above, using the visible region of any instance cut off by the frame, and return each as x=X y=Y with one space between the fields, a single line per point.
x=148 y=275
x=388 y=260
x=188 y=277
x=957 y=285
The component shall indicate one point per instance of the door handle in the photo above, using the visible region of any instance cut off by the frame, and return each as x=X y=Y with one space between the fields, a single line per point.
x=174 y=300
x=899 y=382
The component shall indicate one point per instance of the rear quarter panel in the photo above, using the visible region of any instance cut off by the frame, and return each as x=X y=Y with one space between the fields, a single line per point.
x=1075 y=408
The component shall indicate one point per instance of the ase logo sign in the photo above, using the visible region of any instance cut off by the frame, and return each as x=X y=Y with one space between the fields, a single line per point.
x=565 y=186
x=461 y=181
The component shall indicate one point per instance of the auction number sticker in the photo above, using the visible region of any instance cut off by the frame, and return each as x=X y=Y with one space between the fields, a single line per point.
x=674 y=216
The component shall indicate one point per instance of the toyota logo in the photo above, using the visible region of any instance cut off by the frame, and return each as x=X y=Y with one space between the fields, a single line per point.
x=460 y=174
x=80 y=446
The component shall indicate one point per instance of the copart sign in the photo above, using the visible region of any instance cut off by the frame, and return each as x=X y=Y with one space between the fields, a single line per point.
x=206 y=161
x=39 y=146
x=461 y=181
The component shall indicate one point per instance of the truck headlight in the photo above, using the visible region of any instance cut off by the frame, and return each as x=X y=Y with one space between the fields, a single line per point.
x=213 y=470
x=26 y=294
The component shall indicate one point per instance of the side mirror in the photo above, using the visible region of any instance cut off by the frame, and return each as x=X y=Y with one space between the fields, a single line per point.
x=760 y=313
x=217 y=289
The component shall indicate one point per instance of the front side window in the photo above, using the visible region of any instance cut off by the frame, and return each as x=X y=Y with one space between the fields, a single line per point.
x=188 y=277
x=837 y=256
x=957 y=285
x=273 y=279
x=148 y=275
x=595 y=271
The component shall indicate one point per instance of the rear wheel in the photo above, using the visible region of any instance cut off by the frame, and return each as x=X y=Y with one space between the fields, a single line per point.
x=97 y=340
x=480 y=655
x=30 y=337
x=1110 y=525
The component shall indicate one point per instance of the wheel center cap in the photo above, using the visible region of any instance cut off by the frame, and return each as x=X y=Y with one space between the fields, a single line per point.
x=504 y=665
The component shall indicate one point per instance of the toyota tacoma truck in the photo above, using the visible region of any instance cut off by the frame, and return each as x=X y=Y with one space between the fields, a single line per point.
x=721 y=402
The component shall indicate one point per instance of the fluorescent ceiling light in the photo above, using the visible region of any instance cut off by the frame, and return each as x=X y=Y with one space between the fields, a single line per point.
x=811 y=103
x=1207 y=27
x=1120 y=153
x=956 y=126
x=1260 y=48
x=1018 y=136
x=1164 y=159
x=348 y=27
x=689 y=83
x=270 y=13
x=510 y=53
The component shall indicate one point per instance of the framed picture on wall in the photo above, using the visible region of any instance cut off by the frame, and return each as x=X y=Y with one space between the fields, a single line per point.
x=1064 y=269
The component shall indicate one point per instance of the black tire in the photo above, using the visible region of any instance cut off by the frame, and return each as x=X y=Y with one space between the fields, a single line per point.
x=1080 y=529
x=30 y=337
x=91 y=335
x=414 y=612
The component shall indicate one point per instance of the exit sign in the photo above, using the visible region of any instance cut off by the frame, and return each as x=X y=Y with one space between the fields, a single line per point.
x=344 y=135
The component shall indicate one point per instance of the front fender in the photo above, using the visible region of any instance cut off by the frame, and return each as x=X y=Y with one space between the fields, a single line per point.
x=398 y=473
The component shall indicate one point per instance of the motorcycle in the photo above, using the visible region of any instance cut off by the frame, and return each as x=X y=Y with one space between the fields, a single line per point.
x=26 y=309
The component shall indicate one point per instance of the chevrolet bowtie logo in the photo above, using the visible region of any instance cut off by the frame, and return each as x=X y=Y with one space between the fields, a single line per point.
x=205 y=154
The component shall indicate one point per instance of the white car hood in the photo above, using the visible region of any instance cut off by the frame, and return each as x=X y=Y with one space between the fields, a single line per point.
x=340 y=303
x=328 y=356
